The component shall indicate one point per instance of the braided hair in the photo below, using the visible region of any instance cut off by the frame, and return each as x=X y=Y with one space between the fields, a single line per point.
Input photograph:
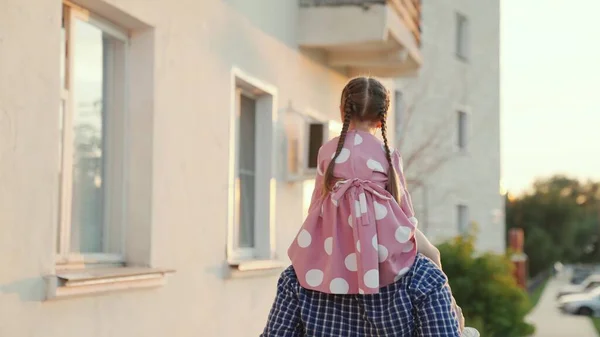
x=364 y=99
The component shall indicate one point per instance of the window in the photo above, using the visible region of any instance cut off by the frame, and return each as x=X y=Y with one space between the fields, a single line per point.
x=316 y=137
x=462 y=37
x=462 y=130
x=251 y=175
x=92 y=108
x=462 y=219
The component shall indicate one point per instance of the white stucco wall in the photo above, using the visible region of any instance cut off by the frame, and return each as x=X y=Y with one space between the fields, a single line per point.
x=196 y=43
x=444 y=85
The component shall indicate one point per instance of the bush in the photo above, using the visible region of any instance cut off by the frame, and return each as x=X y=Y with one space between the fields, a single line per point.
x=485 y=289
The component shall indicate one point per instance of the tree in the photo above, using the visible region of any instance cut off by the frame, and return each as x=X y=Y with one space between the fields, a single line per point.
x=561 y=219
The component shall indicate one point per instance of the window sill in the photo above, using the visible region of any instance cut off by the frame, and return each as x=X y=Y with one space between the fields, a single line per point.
x=72 y=283
x=253 y=268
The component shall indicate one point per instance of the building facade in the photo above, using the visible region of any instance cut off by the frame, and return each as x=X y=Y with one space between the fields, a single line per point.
x=155 y=156
x=449 y=123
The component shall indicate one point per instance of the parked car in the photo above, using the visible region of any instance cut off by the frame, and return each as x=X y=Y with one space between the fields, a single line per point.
x=590 y=283
x=580 y=274
x=581 y=304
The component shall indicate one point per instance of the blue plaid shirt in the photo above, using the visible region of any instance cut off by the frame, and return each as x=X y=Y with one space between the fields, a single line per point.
x=419 y=304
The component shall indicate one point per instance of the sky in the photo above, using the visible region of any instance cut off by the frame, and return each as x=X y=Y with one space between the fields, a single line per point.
x=550 y=92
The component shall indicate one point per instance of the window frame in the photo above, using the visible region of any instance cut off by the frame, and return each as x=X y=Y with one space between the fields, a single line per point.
x=463 y=228
x=65 y=258
x=265 y=96
x=466 y=110
x=462 y=130
x=462 y=37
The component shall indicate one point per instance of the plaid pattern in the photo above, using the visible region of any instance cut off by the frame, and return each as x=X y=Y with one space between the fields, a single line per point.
x=419 y=304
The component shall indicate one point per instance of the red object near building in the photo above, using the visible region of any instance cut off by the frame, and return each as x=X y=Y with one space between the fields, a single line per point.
x=516 y=239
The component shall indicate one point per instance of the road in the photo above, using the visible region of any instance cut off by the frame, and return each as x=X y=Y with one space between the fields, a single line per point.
x=550 y=322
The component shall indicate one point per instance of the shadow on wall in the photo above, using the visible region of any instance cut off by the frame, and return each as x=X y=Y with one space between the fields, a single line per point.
x=29 y=290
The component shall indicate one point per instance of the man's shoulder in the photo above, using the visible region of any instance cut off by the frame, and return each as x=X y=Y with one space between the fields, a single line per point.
x=289 y=274
x=288 y=278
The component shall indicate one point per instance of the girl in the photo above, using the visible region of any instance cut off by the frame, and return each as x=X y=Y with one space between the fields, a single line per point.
x=360 y=233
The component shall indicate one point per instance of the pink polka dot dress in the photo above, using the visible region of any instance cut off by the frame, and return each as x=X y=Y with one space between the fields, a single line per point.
x=357 y=238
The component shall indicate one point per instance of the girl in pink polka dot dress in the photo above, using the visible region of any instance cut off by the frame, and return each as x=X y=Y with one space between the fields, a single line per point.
x=361 y=232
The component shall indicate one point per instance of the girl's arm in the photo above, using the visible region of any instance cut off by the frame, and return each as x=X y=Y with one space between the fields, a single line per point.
x=427 y=248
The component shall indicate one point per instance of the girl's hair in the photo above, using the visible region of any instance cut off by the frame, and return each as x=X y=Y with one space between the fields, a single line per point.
x=364 y=99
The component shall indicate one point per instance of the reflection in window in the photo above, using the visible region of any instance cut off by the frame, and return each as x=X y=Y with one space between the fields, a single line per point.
x=88 y=116
x=247 y=172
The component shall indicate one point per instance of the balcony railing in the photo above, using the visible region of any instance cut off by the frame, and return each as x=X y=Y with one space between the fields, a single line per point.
x=380 y=37
x=408 y=10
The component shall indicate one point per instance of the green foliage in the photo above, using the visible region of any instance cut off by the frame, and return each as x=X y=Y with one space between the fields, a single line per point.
x=561 y=219
x=485 y=289
x=596 y=321
x=535 y=296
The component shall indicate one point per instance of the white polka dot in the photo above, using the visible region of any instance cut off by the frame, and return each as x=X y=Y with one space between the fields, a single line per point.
x=360 y=291
x=375 y=165
x=357 y=139
x=350 y=262
x=375 y=242
x=314 y=277
x=343 y=156
x=329 y=245
x=335 y=202
x=357 y=208
x=304 y=239
x=401 y=273
x=382 y=253
x=362 y=199
x=371 y=278
x=380 y=210
x=358 y=246
x=350 y=220
x=413 y=220
x=339 y=286
x=409 y=247
x=403 y=234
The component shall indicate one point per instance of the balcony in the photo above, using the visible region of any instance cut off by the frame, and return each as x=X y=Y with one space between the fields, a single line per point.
x=376 y=37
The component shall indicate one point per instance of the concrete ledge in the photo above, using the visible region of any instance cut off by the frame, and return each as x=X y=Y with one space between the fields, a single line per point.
x=253 y=268
x=91 y=281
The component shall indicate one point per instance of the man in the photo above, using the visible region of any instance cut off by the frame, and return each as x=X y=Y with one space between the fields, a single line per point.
x=418 y=304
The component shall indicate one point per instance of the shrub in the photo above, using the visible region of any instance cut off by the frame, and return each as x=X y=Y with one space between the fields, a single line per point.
x=485 y=289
